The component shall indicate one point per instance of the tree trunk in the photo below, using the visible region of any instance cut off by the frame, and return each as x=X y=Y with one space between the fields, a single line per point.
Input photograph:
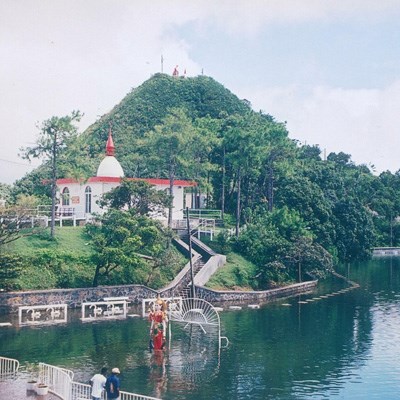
x=53 y=186
x=96 y=277
x=223 y=186
x=171 y=193
x=270 y=193
x=238 y=204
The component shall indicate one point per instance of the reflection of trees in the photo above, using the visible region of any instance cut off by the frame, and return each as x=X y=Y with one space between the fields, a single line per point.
x=322 y=345
x=330 y=337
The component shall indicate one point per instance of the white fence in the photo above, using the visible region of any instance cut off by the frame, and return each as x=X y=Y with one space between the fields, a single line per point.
x=81 y=391
x=8 y=366
x=60 y=382
x=42 y=314
x=111 y=307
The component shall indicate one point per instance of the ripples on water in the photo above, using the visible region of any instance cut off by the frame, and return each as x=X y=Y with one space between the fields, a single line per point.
x=339 y=347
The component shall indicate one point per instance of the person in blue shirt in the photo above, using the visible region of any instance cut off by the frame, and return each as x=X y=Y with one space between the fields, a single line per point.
x=113 y=384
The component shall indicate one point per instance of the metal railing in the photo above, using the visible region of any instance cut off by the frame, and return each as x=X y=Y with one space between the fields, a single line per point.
x=8 y=366
x=81 y=391
x=59 y=380
x=196 y=213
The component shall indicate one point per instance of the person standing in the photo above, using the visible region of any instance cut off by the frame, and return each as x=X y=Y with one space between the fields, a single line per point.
x=98 y=382
x=113 y=384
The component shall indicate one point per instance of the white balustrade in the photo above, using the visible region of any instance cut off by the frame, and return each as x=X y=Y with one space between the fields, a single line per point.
x=111 y=307
x=42 y=314
x=59 y=380
x=8 y=366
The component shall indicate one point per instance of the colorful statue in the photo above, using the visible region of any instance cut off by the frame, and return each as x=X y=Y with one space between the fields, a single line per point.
x=158 y=327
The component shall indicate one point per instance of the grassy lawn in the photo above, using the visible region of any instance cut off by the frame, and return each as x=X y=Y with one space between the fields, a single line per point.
x=65 y=263
x=67 y=238
x=236 y=274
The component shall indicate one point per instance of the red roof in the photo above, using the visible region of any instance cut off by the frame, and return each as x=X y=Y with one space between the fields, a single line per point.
x=109 y=179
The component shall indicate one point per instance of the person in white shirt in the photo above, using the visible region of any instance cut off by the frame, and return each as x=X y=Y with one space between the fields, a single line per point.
x=98 y=382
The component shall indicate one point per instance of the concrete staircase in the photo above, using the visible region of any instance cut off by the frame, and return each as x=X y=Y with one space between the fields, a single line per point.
x=186 y=291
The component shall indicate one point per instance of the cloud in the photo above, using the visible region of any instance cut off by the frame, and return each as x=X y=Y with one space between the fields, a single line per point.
x=63 y=55
x=363 y=123
x=249 y=17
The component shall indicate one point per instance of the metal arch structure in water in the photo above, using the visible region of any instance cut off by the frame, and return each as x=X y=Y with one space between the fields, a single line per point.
x=198 y=334
x=201 y=313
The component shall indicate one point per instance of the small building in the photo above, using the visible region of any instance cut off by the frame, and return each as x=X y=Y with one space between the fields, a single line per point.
x=79 y=200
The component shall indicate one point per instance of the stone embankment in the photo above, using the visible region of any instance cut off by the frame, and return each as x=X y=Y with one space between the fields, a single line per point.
x=11 y=301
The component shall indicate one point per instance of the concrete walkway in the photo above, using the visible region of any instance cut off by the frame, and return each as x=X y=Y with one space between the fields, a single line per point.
x=16 y=390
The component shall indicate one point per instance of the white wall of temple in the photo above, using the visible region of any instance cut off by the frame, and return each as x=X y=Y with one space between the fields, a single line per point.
x=79 y=194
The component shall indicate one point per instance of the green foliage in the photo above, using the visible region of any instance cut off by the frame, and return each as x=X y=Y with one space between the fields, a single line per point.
x=11 y=266
x=5 y=192
x=139 y=196
x=127 y=248
x=56 y=269
x=67 y=261
x=236 y=274
x=33 y=183
x=282 y=248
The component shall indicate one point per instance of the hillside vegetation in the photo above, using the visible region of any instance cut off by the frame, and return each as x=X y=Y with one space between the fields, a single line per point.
x=302 y=213
x=69 y=262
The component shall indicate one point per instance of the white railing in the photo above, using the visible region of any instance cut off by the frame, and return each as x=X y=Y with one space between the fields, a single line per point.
x=195 y=213
x=109 y=308
x=206 y=226
x=133 y=396
x=43 y=314
x=81 y=391
x=59 y=380
x=8 y=366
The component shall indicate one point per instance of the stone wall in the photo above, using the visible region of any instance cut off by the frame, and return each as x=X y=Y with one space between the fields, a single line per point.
x=10 y=301
x=214 y=296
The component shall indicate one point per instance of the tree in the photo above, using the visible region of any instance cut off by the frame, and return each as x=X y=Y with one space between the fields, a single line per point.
x=123 y=242
x=10 y=268
x=137 y=195
x=169 y=147
x=12 y=221
x=308 y=257
x=55 y=134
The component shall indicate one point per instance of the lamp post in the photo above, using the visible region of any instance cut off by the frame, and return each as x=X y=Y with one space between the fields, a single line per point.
x=190 y=253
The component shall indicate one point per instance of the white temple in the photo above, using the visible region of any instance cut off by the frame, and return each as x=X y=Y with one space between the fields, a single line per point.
x=80 y=199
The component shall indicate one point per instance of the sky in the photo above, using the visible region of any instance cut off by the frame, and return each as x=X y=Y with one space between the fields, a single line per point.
x=330 y=69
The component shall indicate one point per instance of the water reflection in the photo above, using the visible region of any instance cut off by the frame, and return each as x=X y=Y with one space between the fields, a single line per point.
x=343 y=346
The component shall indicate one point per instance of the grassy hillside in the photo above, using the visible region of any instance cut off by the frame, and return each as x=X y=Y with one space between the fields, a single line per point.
x=68 y=239
x=236 y=274
x=66 y=263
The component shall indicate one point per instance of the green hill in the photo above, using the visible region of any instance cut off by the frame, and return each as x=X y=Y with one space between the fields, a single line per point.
x=146 y=106
x=302 y=212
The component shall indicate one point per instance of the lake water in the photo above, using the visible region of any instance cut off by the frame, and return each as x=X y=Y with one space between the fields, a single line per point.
x=341 y=347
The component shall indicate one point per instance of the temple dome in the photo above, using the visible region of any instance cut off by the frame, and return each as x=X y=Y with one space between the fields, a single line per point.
x=110 y=166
